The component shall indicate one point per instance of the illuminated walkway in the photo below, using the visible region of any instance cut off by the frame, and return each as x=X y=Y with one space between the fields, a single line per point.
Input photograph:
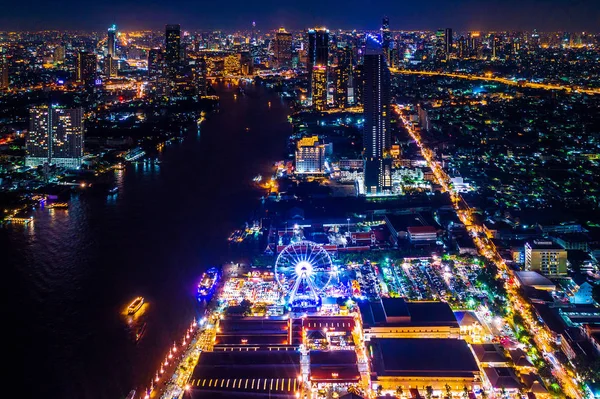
x=510 y=82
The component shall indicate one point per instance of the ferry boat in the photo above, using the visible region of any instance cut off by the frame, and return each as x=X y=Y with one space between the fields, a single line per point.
x=131 y=394
x=139 y=333
x=208 y=284
x=113 y=190
x=135 y=306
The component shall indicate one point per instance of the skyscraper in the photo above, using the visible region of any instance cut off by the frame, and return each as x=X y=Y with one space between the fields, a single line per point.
x=3 y=71
x=86 y=67
x=448 y=41
x=386 y=38
x=111 y=42
x=155 y=62
x=376 y=133
x=343 y=73
x=173 y=48
x=282 y=49
x=55 y=136
x=318 y=52
x=319 y=87
x=358 y=83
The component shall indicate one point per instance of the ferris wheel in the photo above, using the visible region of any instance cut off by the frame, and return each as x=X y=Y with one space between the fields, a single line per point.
x=303 y=270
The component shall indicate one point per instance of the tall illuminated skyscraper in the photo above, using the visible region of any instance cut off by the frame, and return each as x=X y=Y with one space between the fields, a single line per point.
x=343 y=74
x=318 y=52
x=172 y=48
x=155 y=62
x=3 y=71
x=86 y=67
x=319 y=87
x=386 y=38
x=55 y=136
x=282 y=48
x=376 y=131
x=111 y=42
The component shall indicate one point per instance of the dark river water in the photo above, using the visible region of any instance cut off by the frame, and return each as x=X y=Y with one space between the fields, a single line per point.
x=69 y=275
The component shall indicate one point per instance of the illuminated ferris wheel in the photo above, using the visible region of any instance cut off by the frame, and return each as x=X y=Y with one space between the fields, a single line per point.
x=303 y=270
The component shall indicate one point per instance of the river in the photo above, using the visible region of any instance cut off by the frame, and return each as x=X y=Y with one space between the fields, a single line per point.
x=68 y=276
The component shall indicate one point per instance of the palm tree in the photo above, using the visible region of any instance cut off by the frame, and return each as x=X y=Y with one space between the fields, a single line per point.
x=379 y=390
x=484 y=394
x=465 y=394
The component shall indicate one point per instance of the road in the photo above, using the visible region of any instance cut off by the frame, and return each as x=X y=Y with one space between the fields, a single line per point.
x=487 y=249
x=510 y=82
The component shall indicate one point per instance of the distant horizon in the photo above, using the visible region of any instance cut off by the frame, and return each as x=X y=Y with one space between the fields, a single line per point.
x=460 y=15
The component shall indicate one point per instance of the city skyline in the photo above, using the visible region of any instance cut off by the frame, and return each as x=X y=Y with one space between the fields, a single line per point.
x=550 y=15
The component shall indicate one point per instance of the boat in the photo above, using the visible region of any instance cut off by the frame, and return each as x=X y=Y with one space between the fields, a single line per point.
x=113 y=190
x=59 y=205
x=257 y=178
x=131 y=394
x=139 y=333
x=135 y=306
x=208 y=284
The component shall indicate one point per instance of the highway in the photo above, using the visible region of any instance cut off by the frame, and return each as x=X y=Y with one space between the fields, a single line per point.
x=487 y=249
x=490 y=78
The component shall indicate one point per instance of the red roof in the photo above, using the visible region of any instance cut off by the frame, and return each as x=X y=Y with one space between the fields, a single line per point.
x=421 y=230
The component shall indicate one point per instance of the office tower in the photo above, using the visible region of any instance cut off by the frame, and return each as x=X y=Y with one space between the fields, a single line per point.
x=86 y=67
x=495 y=45
x=358 y=83
x=282 y=49
x=199 y=75
x=376 y=130
x=246 y=63
x=3 y=71
x=172 y=48
x=343 y=77
x=55 y=136
x=463 y=48
x=318 y=52
x=545 y=257
x=111 y=67
x=319 y=87
x=386 y=38
x=448 y=41
x=59 y=54
x=310 y=156
x=155 y=62
x=111 y=42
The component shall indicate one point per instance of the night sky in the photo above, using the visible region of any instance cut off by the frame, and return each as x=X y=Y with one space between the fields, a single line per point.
x=545 y=15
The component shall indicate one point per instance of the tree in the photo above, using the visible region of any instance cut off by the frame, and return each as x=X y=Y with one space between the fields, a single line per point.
x=465 y=393
x=379 y=390
x=448 y=389
x=399 y=391
x=484 y=394
x=429 y=391
x=503 y=392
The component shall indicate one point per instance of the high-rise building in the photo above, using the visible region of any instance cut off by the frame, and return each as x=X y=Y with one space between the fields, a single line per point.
x=155 y=62
x=318 y=52
x=55 y=136
x=3 y=71
x=376 y=130
x=319 y=87
x=358 y=83
x=111 y=67
x=172 y=48
x=310 y=156
x=199 y=75
x=111 y=42
x=386 y=38
x=59 y=54
x=448 y=41
x=86 y=67
x=545 y=257
x=343 y=77
x=282 y=49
